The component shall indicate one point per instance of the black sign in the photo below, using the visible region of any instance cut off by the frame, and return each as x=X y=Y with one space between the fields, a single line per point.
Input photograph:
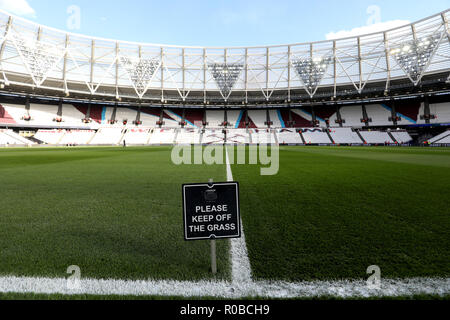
x=211 y=211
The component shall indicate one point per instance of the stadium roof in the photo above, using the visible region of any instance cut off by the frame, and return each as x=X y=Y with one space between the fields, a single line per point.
x=36 y=58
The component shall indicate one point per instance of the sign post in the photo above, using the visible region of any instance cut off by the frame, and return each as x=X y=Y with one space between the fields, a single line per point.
x=210 y=212
x=213 y=246
x=213 y=257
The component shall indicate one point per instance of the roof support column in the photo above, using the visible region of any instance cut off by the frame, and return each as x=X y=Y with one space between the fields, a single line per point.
x=388 y=63
x=91 y=78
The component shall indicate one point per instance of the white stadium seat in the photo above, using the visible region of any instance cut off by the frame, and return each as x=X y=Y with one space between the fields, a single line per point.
x=9 y=137
x=445 y=136
x=77 y=137
x=345 y=136
x=215 y=118
x=107 y=136
x=162 y=136
x=213 y=136
x=289 y=136
x=50 y=136
x=379 y=114
x=259 y=118
x=136 y=136
x=238 y=136
x=376 y=137
x=315 y=136
x=401 y=136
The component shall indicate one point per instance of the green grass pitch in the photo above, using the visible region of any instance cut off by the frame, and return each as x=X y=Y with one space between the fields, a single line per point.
x=328 y=214
x=114 y=212
x=332 y=212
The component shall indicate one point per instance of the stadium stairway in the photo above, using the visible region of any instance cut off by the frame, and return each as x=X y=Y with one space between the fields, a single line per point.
x=201 y=137
x=37 y=141
x=124 y=132
x=150 y=136
x=62 y=137
x=440 y=137
x=392 y=137
x=329 y=136
x=303 y=138
x=92 y=138
x=176 y=136
x=361 y=137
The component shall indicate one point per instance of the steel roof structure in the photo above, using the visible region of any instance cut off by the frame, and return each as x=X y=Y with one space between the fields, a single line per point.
x=38 y=59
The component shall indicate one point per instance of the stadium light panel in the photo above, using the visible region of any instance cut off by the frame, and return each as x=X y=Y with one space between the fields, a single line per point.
x=226 y=75
x=141 y=72
x=40 y=58
x=311 y=72
x=414 y=56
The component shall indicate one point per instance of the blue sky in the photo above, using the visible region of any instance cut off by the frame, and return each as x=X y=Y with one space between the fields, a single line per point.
x=222 y=22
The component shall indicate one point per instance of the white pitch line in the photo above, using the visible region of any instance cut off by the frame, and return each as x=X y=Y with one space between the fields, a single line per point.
x=240 y=264
x=223 y=289
x=241 y=286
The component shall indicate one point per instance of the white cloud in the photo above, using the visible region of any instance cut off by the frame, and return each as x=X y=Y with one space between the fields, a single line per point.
x=18 y=7
x=377 y=27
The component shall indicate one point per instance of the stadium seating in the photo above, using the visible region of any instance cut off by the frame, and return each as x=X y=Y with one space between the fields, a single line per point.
x=5 y=139
x=122 y=114
x=9 y=137
x=171 y=120
x=43 y=115
x=379 y=115
x=325 y=112
x=315 y=136
x=72 y=116
x=446 y=140
x=301 y=118
x=289 y=136
x=15 y=113
x=77 y=137
x=162 y=136
x=234 y=118
x=307 y=113
x=441 y=111
x=407 y=111
x=96 y=113
x=402 y=137
x=215 y=118
x=443 y=138
x=136 y=136
x=5 y=117
x=238 y=136
x=72 y=128
x=50 y=136
x=345 y=136
x=259 y=118
x=107 y=136
x=213 y=136
x=376 y=137
x=150 y=118
x=352 y=116
x=188 y=136
x=194 y=117
x=275 y=119
x=262 y=136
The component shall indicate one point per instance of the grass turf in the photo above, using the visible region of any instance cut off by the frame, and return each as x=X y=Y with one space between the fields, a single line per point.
x=328 y=214
x=116 y=213
x=332 y=212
